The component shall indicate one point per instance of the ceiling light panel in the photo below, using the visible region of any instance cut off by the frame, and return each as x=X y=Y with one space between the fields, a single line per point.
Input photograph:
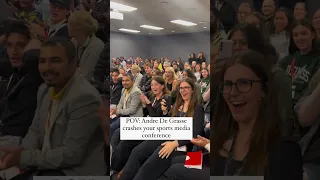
x=122 y=7
x=116 y=15
x=184 y=23
x=152 y=27
x=129 y=30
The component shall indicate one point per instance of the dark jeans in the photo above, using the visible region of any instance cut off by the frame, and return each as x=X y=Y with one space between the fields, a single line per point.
x=29 y=174
x=121 y=151
x=115 y=139
x=177 y=171
x=138 y=156
x=114 y=125
x=155 y=166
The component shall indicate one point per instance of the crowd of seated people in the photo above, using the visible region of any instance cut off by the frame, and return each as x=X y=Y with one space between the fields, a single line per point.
x=159 y=87
x=51 y=92
x=285 y=46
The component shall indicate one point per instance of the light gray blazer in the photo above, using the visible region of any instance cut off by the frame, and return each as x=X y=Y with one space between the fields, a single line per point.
x=133 y=105
x=74 y=142
x=90 y=56
x=138 y=79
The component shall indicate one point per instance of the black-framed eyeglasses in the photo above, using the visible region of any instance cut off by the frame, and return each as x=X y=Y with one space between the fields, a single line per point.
x=242 y=85
x=184 y=88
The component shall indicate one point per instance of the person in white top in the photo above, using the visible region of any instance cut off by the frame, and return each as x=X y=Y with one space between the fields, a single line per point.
x=280 y=38
x=82 y=28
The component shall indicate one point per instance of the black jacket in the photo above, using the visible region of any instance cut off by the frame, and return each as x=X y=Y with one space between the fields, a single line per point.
x=115 y=91
x=63 y=32
x=227 y=16
x=99 y=80
x=145 y=85
x=18 y=107
x=5 y=72
x=103 y=65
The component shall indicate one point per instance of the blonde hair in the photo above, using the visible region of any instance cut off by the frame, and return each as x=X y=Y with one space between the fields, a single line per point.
x=175 y=77
x=136 y=68
x=83 y=20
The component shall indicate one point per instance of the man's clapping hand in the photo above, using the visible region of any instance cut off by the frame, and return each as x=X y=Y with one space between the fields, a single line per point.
x=11 y=157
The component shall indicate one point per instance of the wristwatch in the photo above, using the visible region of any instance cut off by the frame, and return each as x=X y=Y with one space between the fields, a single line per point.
x=40 y=38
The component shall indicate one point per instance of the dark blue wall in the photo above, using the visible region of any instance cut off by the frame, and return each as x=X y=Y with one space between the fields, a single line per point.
x=172 y=46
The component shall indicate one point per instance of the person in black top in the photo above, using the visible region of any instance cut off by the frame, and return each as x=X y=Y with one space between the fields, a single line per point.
x=59 y=13
x=100 y=72
x=178 y=171
x=200 y=58
x=145 y=84
x=20 y=99
x=192 y=57
x=268 y=10
x=246 y=131
x=171 y=79
x=115 y=87
x=300 y=10
x=159 y=92
x=226 y=12
x=141 y=150
x=187 y=105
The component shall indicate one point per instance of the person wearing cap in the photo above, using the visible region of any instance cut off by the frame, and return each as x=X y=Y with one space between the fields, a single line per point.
x=128 y=66
x=122 y=62
x=59 y=13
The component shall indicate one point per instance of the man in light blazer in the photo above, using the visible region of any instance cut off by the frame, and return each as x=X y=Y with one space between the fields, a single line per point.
x=129 y=105
x=65 y=138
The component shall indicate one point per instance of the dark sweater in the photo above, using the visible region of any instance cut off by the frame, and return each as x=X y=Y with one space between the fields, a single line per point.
x=198 y=121
x=18 y=107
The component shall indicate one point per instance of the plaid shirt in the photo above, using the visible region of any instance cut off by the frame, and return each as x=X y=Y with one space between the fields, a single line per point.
x=31 y=16
x=98 y=10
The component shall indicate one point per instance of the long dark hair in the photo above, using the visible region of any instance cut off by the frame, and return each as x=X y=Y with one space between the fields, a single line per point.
x=290 y=20
x=254 y=37
x=179 y=101
x=190 y=75
x=161 y=81
x=262 y=23
x=267 y=128
x=292 y=46
x=215 y=21
x=256 y=41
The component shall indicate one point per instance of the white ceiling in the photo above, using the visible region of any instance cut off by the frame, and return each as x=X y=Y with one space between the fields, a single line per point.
x=160 y=12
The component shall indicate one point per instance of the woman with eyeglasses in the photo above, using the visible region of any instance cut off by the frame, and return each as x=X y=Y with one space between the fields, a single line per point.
x=187 y=73
x=246 y=37
x=186 y=105
x=246 y=137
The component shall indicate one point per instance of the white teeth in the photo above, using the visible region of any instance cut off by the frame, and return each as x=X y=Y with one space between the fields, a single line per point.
x=236 y=103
